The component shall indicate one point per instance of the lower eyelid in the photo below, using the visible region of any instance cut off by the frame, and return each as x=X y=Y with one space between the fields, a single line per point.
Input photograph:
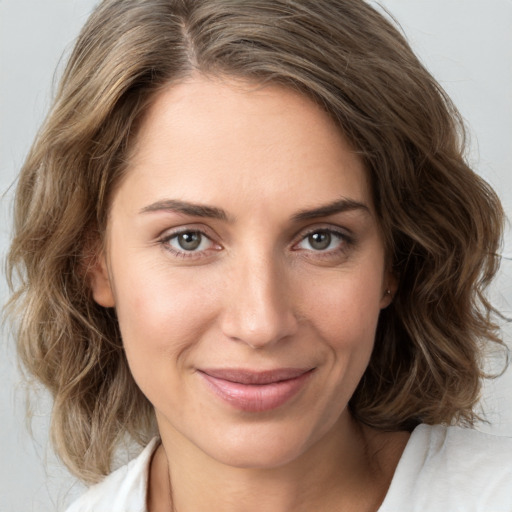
x=165 y=243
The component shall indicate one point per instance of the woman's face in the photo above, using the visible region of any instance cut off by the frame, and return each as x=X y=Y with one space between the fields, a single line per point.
x=247 y=270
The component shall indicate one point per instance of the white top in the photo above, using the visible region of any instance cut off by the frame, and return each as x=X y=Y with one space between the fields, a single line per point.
x=442 y=469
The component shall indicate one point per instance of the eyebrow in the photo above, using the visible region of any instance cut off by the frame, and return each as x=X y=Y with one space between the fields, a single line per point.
x=196 y=210
x=212 y=212
x=339 y=206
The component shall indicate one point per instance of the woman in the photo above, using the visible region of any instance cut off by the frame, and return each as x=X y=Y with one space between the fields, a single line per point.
x=247 y=227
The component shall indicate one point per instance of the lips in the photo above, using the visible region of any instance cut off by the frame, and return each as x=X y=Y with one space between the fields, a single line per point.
x=256 y=391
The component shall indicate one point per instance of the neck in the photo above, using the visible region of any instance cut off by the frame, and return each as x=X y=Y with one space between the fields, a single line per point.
x=348 y=469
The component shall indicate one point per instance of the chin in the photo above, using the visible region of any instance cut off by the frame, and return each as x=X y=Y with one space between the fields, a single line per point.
x=261 y=447
x=257 y=455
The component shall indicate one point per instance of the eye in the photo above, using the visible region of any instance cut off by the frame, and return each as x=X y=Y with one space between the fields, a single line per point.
x=323 y=240
x=187 y=243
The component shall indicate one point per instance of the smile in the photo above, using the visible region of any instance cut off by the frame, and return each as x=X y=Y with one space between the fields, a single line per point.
x=252 y=391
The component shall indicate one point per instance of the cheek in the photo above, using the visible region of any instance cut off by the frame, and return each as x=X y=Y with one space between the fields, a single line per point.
x=162 y=313
x=346 y=307
x=343 y=312
x=162 y=318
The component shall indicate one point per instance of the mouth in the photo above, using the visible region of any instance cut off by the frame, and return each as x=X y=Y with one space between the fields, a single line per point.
x=255 y=391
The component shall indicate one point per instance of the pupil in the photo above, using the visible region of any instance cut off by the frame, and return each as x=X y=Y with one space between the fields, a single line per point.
x=189 y=241
x=320 y=240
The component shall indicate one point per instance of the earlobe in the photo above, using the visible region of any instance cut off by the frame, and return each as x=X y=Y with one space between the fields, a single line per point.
x=389 y=291
x=387 y=298
x=99 y=281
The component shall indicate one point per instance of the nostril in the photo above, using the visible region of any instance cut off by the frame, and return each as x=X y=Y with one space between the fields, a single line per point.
x=258 y=328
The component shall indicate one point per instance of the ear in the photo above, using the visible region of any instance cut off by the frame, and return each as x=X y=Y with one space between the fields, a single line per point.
x=390 y=286
x=99 y=281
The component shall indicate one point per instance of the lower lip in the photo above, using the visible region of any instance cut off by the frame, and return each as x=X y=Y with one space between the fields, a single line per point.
x=256 y=397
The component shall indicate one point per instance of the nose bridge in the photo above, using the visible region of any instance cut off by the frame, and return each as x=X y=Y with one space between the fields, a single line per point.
x=259 y=311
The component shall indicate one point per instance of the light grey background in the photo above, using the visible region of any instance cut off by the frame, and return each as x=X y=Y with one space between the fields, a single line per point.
x=467 y=44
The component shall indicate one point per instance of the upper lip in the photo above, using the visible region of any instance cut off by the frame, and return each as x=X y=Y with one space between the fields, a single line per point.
x=243 y=376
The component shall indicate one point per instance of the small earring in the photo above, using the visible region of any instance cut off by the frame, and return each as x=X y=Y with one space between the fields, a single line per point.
x=388 y=292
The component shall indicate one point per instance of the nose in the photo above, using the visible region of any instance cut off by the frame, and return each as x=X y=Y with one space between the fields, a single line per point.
x=258 y=309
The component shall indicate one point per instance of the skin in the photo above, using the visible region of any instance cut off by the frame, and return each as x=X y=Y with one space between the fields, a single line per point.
x=259 y=292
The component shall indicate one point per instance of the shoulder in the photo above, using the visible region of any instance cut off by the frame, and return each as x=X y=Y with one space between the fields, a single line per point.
x=453 y=469
x=442 y=445
x=124 y=490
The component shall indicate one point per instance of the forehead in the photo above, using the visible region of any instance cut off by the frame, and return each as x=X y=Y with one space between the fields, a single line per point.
x=209 y=139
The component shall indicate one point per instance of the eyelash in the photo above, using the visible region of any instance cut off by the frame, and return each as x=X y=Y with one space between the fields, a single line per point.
x=165 y=242
x=345 y=242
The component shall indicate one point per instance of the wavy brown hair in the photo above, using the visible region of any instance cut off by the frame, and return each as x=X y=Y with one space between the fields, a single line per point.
x=441 y=222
